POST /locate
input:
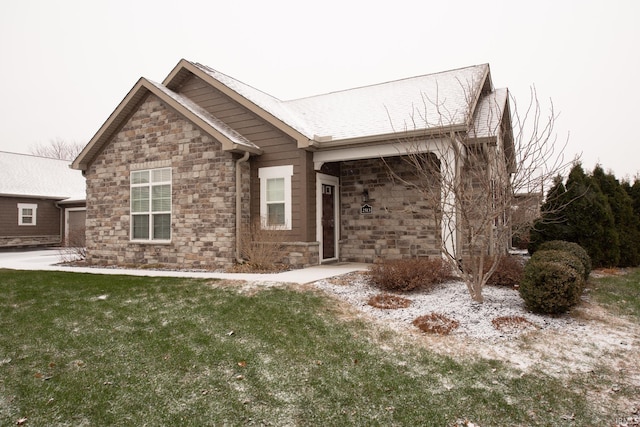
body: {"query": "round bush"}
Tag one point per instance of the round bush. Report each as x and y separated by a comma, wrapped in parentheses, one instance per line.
(564, 257)
(572, 248)
(550, 287)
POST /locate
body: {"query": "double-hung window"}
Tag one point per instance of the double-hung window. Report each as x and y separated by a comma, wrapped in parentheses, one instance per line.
(275, 196)
(27, 213)
(151, 205)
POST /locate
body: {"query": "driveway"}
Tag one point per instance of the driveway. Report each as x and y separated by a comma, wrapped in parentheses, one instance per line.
(49, 259)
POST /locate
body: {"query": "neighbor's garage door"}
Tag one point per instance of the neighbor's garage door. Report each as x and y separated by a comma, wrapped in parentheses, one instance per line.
(75, 227)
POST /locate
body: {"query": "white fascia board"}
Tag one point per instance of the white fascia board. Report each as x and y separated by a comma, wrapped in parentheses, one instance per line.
(379, 150)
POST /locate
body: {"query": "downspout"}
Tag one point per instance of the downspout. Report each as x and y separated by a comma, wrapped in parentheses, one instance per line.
(243, 159)
(63, 224)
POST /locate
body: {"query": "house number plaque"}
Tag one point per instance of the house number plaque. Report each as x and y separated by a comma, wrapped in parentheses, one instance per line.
(366, 209)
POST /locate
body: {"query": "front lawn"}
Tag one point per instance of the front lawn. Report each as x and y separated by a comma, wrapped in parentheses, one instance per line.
(619, 292)
(81, 349)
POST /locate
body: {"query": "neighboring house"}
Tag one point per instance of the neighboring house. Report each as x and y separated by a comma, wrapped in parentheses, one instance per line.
(525, 211)
(42, 201)
(181, 167)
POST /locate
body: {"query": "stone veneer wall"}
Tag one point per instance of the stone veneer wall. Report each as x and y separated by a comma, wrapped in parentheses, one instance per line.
(301, 254)
(29, 241)
(401, 225)
(203, 192)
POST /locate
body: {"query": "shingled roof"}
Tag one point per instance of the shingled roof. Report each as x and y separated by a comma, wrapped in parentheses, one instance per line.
(462, 100)
(24, 175)
(445, 99)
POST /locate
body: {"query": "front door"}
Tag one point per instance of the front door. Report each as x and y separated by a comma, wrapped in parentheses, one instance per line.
(328, 223)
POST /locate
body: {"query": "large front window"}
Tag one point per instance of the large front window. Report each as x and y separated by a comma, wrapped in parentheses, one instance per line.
(151, 204)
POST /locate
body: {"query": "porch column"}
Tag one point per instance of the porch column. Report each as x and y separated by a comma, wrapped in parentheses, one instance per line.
(449, 152)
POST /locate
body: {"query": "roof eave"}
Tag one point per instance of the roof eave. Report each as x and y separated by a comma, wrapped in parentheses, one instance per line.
(179, 74)
(126, 107)
(396, 136)
(108, 128)
(33, 196)
(475, 97)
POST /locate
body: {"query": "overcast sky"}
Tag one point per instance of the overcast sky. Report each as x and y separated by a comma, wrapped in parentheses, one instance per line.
(67, 64)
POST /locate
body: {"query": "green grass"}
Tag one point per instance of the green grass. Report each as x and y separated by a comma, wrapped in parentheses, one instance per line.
(620, 294)
(79, 349)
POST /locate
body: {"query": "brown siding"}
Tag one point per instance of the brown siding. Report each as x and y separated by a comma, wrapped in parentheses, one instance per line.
(278, 149)
(308, 203)
(48, 222)
(239, 118)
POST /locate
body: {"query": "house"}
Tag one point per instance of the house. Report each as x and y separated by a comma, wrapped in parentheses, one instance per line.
(525, 211)
(181, 167)
(42, 201)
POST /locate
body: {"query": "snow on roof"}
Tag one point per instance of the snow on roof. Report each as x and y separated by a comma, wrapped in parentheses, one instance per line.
(488, 114)
(33, 176)
(269, 103)
(423, 102)
(217, 124)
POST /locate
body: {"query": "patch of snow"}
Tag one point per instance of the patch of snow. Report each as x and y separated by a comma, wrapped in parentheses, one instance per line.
(453, 300)
(558, 345)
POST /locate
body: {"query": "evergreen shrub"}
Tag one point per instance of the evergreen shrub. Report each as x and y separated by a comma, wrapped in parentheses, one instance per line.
(564, 257)
(572, 248)
(550, 287)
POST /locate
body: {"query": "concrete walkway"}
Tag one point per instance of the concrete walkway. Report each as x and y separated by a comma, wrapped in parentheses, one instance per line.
(46, 259)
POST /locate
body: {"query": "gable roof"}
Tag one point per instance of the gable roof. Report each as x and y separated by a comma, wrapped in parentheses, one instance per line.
(23, 175)
(434, 101)
(230, 139)
(488, 114)
(431, 103)
(438, 100)
(265, 106)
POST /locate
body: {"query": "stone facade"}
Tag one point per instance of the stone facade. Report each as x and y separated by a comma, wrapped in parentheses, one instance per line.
(301, 254)
(400, 225)
(203, 193)
(29, 241)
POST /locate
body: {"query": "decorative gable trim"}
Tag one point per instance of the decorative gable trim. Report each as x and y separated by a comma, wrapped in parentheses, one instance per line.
(185, 68)
(230, 140)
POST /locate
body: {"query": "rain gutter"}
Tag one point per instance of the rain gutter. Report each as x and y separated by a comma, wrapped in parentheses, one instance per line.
(243, 159)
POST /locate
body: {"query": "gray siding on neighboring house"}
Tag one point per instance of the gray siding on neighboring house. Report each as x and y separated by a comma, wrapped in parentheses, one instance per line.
(203, 193)
(47, 230)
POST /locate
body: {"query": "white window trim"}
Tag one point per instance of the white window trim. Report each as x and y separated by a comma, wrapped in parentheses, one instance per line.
(264, 174)
(335, 182)
(150, 213)
(33, 207)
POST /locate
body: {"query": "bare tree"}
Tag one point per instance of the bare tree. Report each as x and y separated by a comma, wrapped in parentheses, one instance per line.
(475, 176)
(57, 149)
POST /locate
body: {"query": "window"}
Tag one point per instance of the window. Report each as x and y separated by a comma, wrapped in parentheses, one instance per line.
(27, 213)
(151, 204)
(275, 196)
